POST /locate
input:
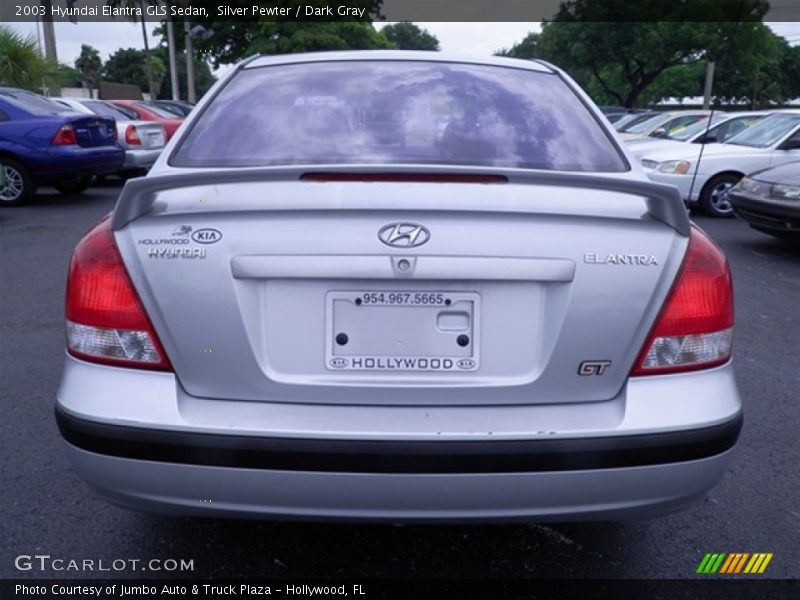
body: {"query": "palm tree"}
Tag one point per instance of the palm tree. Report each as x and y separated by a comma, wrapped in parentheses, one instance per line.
(140, 4)
(21, 63)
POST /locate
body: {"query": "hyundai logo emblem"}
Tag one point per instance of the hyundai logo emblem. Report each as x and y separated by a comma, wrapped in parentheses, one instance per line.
(404, 235)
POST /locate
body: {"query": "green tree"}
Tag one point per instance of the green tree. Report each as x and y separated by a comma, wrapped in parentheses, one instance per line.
(407, 36)
(619, 61)
(21, 63)
(127, 65)
(65, 76)
(286, 37)
(203, 78)
(234, 40)
(768, 74)
(527, 49)
(89, 64)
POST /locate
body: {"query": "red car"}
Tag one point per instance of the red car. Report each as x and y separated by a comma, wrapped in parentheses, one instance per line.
(147, 111)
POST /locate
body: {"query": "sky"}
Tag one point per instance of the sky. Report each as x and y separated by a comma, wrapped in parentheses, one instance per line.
(460, 38)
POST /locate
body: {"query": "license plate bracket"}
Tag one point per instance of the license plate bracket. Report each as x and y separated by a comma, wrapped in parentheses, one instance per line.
(402, 330)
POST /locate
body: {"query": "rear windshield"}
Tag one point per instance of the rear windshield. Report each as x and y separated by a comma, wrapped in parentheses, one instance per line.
(34, 103)
(398, 112)
(106, 110)
(158, 111)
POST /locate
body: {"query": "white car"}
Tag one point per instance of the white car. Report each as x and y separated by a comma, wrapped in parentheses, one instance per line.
(662, 124)
(773, 141)
(723, 127)
(141, 140)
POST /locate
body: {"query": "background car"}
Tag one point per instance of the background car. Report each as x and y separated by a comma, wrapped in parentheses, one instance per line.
(613, 113)
(773, 141)
(181, 109)
(42, 142)
(632, 119)
(146, 111)
(723, 127)
(141, 140)
(664, 124)
(770, 200)
(512, 324)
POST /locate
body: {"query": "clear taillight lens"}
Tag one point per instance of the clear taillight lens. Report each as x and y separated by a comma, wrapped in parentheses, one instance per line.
(106, 321)
(695, 327)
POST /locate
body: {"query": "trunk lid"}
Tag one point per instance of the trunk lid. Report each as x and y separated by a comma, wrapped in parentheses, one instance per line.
(151, 134)
(92, 131)
(249, 284)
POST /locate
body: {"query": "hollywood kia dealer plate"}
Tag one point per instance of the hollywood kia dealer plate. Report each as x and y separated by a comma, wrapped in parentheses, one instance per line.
(402, 330)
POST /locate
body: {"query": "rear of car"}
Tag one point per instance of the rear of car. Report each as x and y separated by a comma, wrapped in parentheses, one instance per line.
(147, 111)
(301, 316)
(42, 142)
(141, 140)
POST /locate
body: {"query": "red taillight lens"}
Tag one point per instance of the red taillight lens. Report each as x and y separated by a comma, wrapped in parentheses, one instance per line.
(132, 136)
(65, 136)
(695, 327)
(105, 319)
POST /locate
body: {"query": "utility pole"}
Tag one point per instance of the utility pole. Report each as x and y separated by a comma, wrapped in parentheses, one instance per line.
(173, 65)
(148, 65)
(190, 91)
(49, 32)
(709, 84)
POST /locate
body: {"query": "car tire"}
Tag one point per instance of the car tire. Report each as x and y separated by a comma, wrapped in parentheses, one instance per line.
(19, 186)
(714, 197)
(131, 173)
(73, 186)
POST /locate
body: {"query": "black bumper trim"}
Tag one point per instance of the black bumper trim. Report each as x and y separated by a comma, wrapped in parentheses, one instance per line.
(367, 456)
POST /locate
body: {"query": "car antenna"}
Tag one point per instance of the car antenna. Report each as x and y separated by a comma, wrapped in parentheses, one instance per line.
(713, 101)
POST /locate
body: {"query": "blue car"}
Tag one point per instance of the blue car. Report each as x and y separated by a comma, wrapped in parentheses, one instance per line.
(42, 142)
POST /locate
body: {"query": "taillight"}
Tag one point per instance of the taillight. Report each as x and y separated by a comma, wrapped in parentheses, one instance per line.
(695, 327)
(65, 136)
(106, 322)
(132, 136)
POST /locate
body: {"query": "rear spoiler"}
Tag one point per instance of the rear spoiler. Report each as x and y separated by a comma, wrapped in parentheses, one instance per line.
(138, 196)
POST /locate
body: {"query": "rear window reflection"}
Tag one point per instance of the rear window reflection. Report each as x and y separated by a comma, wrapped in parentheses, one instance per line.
(398, 112)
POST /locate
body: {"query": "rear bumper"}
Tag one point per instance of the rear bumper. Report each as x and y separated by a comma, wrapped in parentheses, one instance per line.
(67, 162)
(658, 446)
(376, 456)
(597, 494)
(140, 159)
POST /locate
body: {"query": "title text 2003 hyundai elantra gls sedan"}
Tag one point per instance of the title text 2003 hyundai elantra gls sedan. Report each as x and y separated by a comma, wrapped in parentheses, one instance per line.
(475, 307)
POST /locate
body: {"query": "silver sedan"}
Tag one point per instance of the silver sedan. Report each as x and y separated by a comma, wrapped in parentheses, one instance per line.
(142, 141)
(475, 307)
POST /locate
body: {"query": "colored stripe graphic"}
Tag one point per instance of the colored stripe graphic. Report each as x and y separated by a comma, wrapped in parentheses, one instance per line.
(734, 563)
(723, 563)
(758, 563)
(741, 562)
(711, 562)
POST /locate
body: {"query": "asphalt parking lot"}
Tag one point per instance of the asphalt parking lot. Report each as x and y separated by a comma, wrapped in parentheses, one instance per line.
(46, 510)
